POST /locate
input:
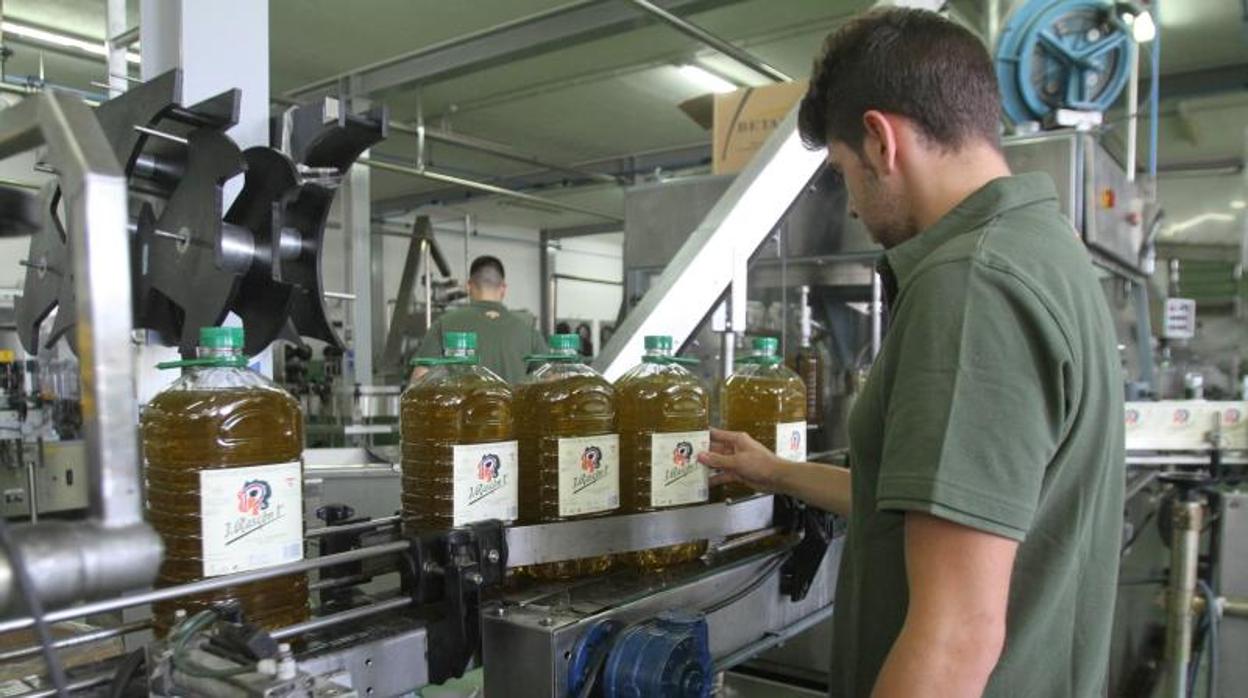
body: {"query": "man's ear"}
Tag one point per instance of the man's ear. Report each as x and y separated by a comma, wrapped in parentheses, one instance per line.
(879, 142)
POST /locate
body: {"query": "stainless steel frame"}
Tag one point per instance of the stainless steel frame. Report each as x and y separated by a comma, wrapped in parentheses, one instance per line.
(527, 648)
(690, 29)
(1232, 587)
(717, 252)
(527, 545)
(425, 173)
(115, 551)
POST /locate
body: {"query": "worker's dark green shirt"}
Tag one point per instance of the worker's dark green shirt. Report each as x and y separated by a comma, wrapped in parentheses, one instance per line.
(504, 337)
(996, 403)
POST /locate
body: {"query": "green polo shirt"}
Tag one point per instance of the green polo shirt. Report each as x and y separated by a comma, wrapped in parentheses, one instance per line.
(995, 403)
(504, 337)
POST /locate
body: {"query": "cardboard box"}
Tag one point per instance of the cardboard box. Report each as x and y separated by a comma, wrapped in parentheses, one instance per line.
(741, 121)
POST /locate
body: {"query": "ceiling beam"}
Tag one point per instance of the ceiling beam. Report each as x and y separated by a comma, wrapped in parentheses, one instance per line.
(576, 231)
(560, 27)
(1205, 82)
(624, 166)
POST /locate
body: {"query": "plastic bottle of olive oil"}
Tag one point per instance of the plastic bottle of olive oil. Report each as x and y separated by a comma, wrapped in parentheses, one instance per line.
(224, 449)
(459, 453)
(664, 421)
(767, 400)
(569, 448)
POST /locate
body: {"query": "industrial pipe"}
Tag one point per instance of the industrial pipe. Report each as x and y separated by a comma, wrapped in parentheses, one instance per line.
(425, 173)
(86, 638)
(699, 34)
(379, 522)
(1133, 110)
(482, 146)
(341, 617)
(206, 585)
(1235, 607)
(1186, 519)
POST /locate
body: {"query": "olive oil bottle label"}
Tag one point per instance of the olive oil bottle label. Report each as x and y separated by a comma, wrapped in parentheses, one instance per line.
(676, 476)
(791, 441)
(485, 482)
(589, 474)
(251, 517)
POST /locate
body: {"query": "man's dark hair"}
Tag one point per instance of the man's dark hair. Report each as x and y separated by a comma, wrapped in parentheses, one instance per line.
(486, 271)
(909, 62)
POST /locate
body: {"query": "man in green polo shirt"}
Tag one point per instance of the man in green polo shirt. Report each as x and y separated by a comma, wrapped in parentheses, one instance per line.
(504, 337)
(985, 490)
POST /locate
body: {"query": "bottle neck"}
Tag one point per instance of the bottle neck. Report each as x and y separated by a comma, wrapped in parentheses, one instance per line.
(218, 353)
(658, 352)
(460, 353)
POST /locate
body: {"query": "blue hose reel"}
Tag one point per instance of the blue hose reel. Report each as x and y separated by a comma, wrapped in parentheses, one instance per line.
(1062, 54)
(665, 657)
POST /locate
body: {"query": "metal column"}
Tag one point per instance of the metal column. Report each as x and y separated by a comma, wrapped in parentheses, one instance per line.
(220, 45)
(546, 264)
(364, 273)
(1186, 523)
(115, 27)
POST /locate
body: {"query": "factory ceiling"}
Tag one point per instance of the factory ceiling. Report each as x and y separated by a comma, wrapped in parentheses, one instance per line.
(596, 86)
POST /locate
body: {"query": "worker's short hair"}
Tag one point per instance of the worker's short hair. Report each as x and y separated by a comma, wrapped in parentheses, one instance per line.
(909, 62)
(487, 271)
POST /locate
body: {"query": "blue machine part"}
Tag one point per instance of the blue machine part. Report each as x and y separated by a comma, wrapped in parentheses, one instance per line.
(1062, 54)
(668, 657)
(587, 653)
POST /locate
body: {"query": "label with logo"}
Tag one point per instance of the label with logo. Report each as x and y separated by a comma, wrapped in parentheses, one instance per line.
(676, 476)
(485, 482)
(251, 517)
(589, 474)
(791, 441)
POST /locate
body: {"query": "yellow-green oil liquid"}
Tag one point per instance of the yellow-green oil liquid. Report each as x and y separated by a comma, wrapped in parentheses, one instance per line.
(754, 400)
(546, 411)
(187, 431)
(662, 400)
(437, 415)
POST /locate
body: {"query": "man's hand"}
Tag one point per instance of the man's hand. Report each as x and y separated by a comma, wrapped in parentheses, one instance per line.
(739, 458)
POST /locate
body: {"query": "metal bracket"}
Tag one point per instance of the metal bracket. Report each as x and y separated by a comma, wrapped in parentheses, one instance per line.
(817, 529)
(454, 568)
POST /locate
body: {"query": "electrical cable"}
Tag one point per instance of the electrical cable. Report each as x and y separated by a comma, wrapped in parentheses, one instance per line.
(56, 673)
(182, 634)
(126, 672)
(758, 581)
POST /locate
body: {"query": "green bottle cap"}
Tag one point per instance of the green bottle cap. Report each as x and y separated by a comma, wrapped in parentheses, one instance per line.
(768, 346)
(459, 340)
(221, 338)
(565, 342)
(658, 341)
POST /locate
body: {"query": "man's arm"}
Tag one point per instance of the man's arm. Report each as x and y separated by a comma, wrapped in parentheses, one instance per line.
(739, 458)
(954, 631)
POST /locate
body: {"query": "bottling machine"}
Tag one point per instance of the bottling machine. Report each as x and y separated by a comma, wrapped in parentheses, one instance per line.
(132, 235)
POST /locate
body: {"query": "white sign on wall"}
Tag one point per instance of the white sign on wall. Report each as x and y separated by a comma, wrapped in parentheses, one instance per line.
(1180, 319)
